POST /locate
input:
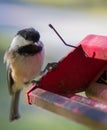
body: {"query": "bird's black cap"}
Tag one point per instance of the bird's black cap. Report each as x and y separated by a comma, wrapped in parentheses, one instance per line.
(29, 34)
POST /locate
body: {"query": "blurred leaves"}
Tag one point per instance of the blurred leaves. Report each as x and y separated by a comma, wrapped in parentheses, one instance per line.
(72, 3)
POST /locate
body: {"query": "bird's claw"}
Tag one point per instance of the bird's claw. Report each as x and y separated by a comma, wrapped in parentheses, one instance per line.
(50, 66)
(36, 82)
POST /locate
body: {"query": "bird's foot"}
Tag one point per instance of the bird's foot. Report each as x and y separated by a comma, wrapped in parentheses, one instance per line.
(50, 66)
(36, 82)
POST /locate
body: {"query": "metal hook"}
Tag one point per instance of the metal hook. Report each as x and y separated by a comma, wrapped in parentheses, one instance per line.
(50, 25)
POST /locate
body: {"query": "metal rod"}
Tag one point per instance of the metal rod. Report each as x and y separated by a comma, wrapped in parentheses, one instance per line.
(50, 25)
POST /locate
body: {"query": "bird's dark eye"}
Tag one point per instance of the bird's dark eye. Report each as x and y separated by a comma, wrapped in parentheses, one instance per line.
(30, 34)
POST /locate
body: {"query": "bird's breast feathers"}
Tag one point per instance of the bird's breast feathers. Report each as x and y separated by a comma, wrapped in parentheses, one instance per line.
(26, 68)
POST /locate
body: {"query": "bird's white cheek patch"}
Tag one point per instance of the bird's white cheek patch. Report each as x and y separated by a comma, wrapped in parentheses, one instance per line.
(19, 41)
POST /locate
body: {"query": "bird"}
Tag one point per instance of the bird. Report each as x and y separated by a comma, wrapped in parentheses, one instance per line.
(24, 59)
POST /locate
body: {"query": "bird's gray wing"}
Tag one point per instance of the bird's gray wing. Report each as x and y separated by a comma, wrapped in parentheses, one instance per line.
(10, 80)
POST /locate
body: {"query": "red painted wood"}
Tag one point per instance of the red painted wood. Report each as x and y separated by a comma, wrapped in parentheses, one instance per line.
(76, 70)
(80, 109)
(95, 46)
(72, 74)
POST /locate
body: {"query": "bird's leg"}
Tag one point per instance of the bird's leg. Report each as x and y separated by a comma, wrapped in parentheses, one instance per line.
(49, 67)
(36, 82)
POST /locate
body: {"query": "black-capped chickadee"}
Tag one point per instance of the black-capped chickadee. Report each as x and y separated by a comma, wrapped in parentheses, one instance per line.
(24, 60)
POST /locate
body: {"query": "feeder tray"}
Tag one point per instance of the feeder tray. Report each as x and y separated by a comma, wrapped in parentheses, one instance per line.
(83, 69)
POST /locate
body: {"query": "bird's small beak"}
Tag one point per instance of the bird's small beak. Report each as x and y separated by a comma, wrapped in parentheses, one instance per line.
(39, 43)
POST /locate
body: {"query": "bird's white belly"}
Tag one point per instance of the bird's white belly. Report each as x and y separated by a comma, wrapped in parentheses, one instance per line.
(27, 68)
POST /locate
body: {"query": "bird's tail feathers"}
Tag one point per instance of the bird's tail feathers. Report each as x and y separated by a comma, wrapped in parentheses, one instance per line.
(14, 112)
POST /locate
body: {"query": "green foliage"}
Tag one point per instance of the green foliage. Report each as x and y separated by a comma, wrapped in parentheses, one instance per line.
(71, 3)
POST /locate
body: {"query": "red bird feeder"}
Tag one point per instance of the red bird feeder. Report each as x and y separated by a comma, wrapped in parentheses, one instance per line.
(79, 68)
(82, 69)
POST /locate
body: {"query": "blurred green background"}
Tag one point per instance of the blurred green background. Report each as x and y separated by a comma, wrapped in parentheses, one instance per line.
(74, 19)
